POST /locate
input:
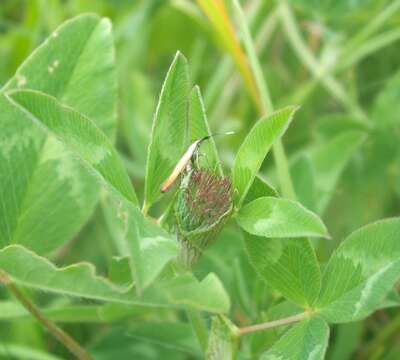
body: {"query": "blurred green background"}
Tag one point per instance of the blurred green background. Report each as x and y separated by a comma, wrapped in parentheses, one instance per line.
(365, 95)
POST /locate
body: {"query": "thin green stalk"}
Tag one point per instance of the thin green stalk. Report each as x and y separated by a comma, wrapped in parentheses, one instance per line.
(369, 47)
(199, 327)
(281, 162)
(216, 82)
(320, 71)
(371, 28)
(223, 78)
(273, 324)
(283, 171)
(218, 15)
(56, 331)
(263, 91)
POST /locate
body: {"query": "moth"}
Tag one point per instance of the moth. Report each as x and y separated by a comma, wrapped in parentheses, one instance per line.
(184, 161)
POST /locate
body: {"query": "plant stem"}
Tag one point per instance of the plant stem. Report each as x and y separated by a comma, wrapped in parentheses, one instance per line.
(367, 48)
(57, 332)
(199, 328)
(320, 71)
(272, 324)
(262, 88)
(283, 171)
(218, 15)
(372, 27)
(281, 162)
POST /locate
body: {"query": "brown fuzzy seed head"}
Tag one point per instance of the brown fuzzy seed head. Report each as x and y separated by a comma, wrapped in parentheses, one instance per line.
(207, 197)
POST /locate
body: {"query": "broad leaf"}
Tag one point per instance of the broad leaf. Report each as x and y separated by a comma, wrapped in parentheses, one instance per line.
(223, 340)
(305, 340)
(361, 272)
(25, 268)
(255, 147)
(80, 134)
(287, 265)
(168, 334)
(208, 294)
(259, 188)
(169, 134)
(149, 246)
(40, 174)
(280, 218)
(101, 159)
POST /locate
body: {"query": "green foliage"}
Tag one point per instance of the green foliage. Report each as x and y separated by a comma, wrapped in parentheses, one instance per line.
(64, 68)
(223, 340)
(75, 280)
(80, 134)
(254, 149)
(279, 218)
(225, 267)
(169, 133)
(361, 272)
(330, 9)
(306, 340)
(288, 265)
(316, 174)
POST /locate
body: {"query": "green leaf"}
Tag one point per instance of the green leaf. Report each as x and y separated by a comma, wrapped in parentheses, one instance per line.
(120, 271)
(64, 67)
(255, 147)
(172, 340)
(149, 246)
(279, 311)
(316, 172)
(40, 173)
(208, 294)
(223, 340)
(361, 272)
(329, 162)
(259, 188)
(80, 134)
(287, 265)
(198, 128)
(169, 134)
(305, 340)
(169, 334)
(26, 268)
(18, 351)
(280, 218)
(102, 160)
